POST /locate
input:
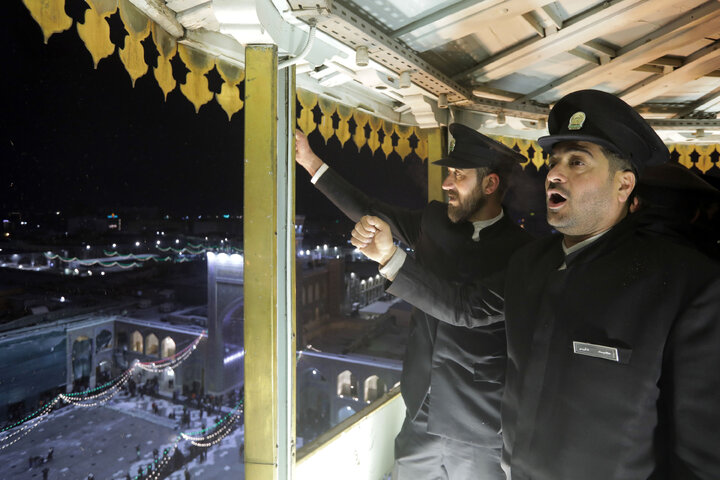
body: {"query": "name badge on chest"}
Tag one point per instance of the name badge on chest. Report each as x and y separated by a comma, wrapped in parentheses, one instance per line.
(597, 351)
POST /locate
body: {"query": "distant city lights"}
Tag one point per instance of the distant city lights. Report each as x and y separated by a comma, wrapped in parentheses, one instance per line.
(235, 258)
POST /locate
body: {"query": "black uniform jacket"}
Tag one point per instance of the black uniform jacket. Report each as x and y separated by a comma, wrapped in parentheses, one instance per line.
(647, 404)
(464, 367)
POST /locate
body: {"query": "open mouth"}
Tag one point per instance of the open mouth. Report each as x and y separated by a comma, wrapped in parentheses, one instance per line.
(555, 200)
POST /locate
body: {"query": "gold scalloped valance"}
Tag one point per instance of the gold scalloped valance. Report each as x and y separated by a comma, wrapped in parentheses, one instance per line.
(698, 156)
(95, 32)
(374, 132)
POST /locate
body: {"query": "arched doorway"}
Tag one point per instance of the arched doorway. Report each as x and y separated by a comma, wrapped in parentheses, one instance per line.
(152, 346)
(81, 362)
(167, 347)
(137, 342)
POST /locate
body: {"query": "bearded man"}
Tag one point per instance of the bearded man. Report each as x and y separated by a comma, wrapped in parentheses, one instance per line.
(612, 332)
(453, 376)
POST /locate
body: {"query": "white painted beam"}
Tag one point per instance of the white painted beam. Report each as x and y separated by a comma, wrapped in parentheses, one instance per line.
(474, 11)
(436, 15)
(158, 12)
(483, 91)
(552, 12)
(706, 101)
(668, 61)
(694, 25)
(647, 68)
(577, 30)
(585, 55)
(696, 65)
(535, 22)
(602, 48)
(199, 16)
(483, 15)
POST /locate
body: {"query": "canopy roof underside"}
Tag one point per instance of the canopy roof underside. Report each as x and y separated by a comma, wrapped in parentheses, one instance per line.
(514, 57)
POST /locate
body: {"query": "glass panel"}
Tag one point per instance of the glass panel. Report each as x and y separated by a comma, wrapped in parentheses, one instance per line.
(121, 352)
(351, 335)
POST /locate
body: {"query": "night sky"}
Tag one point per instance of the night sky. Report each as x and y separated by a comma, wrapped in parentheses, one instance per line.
(82, 140)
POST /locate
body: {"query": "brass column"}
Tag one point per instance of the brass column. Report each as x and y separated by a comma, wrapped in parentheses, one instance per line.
(269, 266)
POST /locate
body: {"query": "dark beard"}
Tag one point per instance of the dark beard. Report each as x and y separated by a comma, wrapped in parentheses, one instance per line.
(467, 206)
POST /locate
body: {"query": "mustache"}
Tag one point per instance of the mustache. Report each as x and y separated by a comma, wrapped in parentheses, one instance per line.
(559, 189)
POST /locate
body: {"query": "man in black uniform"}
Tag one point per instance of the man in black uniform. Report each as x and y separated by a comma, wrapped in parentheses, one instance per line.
(453, 432)
(613, 333)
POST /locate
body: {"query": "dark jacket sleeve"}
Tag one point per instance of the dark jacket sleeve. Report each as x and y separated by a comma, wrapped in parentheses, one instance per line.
(469, 305)
(404, 223)
(691, 378)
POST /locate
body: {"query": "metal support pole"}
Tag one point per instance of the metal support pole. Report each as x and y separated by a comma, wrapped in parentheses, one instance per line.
(286, 272)
(260, 246)
(269, 266)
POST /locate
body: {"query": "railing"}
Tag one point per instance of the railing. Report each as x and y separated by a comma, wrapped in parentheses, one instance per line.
(359, 448)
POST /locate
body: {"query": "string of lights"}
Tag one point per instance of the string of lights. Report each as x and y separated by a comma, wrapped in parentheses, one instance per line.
(159, 463)
(182, 250)
(222, 428)
(28, 417)
(98, 398)
(28, 427)
(138, 259)
(89, 398)
(218, 435)
(173, 360)
(228, 419)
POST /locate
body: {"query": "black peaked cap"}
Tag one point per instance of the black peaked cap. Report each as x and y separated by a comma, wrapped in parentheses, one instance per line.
(475, 150)
(604, 119)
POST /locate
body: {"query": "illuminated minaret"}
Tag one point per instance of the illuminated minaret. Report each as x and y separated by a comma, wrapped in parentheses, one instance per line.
(224, 365)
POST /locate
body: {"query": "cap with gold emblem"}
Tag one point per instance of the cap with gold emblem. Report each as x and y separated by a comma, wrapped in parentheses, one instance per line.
(473, 150)
(604, 119)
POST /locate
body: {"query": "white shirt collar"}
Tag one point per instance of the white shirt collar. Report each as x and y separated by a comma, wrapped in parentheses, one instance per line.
(480, 224)
(578, 246)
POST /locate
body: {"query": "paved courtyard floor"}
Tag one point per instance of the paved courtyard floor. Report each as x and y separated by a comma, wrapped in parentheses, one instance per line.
(102, 440)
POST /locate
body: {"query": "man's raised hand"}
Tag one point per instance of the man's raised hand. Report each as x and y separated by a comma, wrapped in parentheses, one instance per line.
(304, 154)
